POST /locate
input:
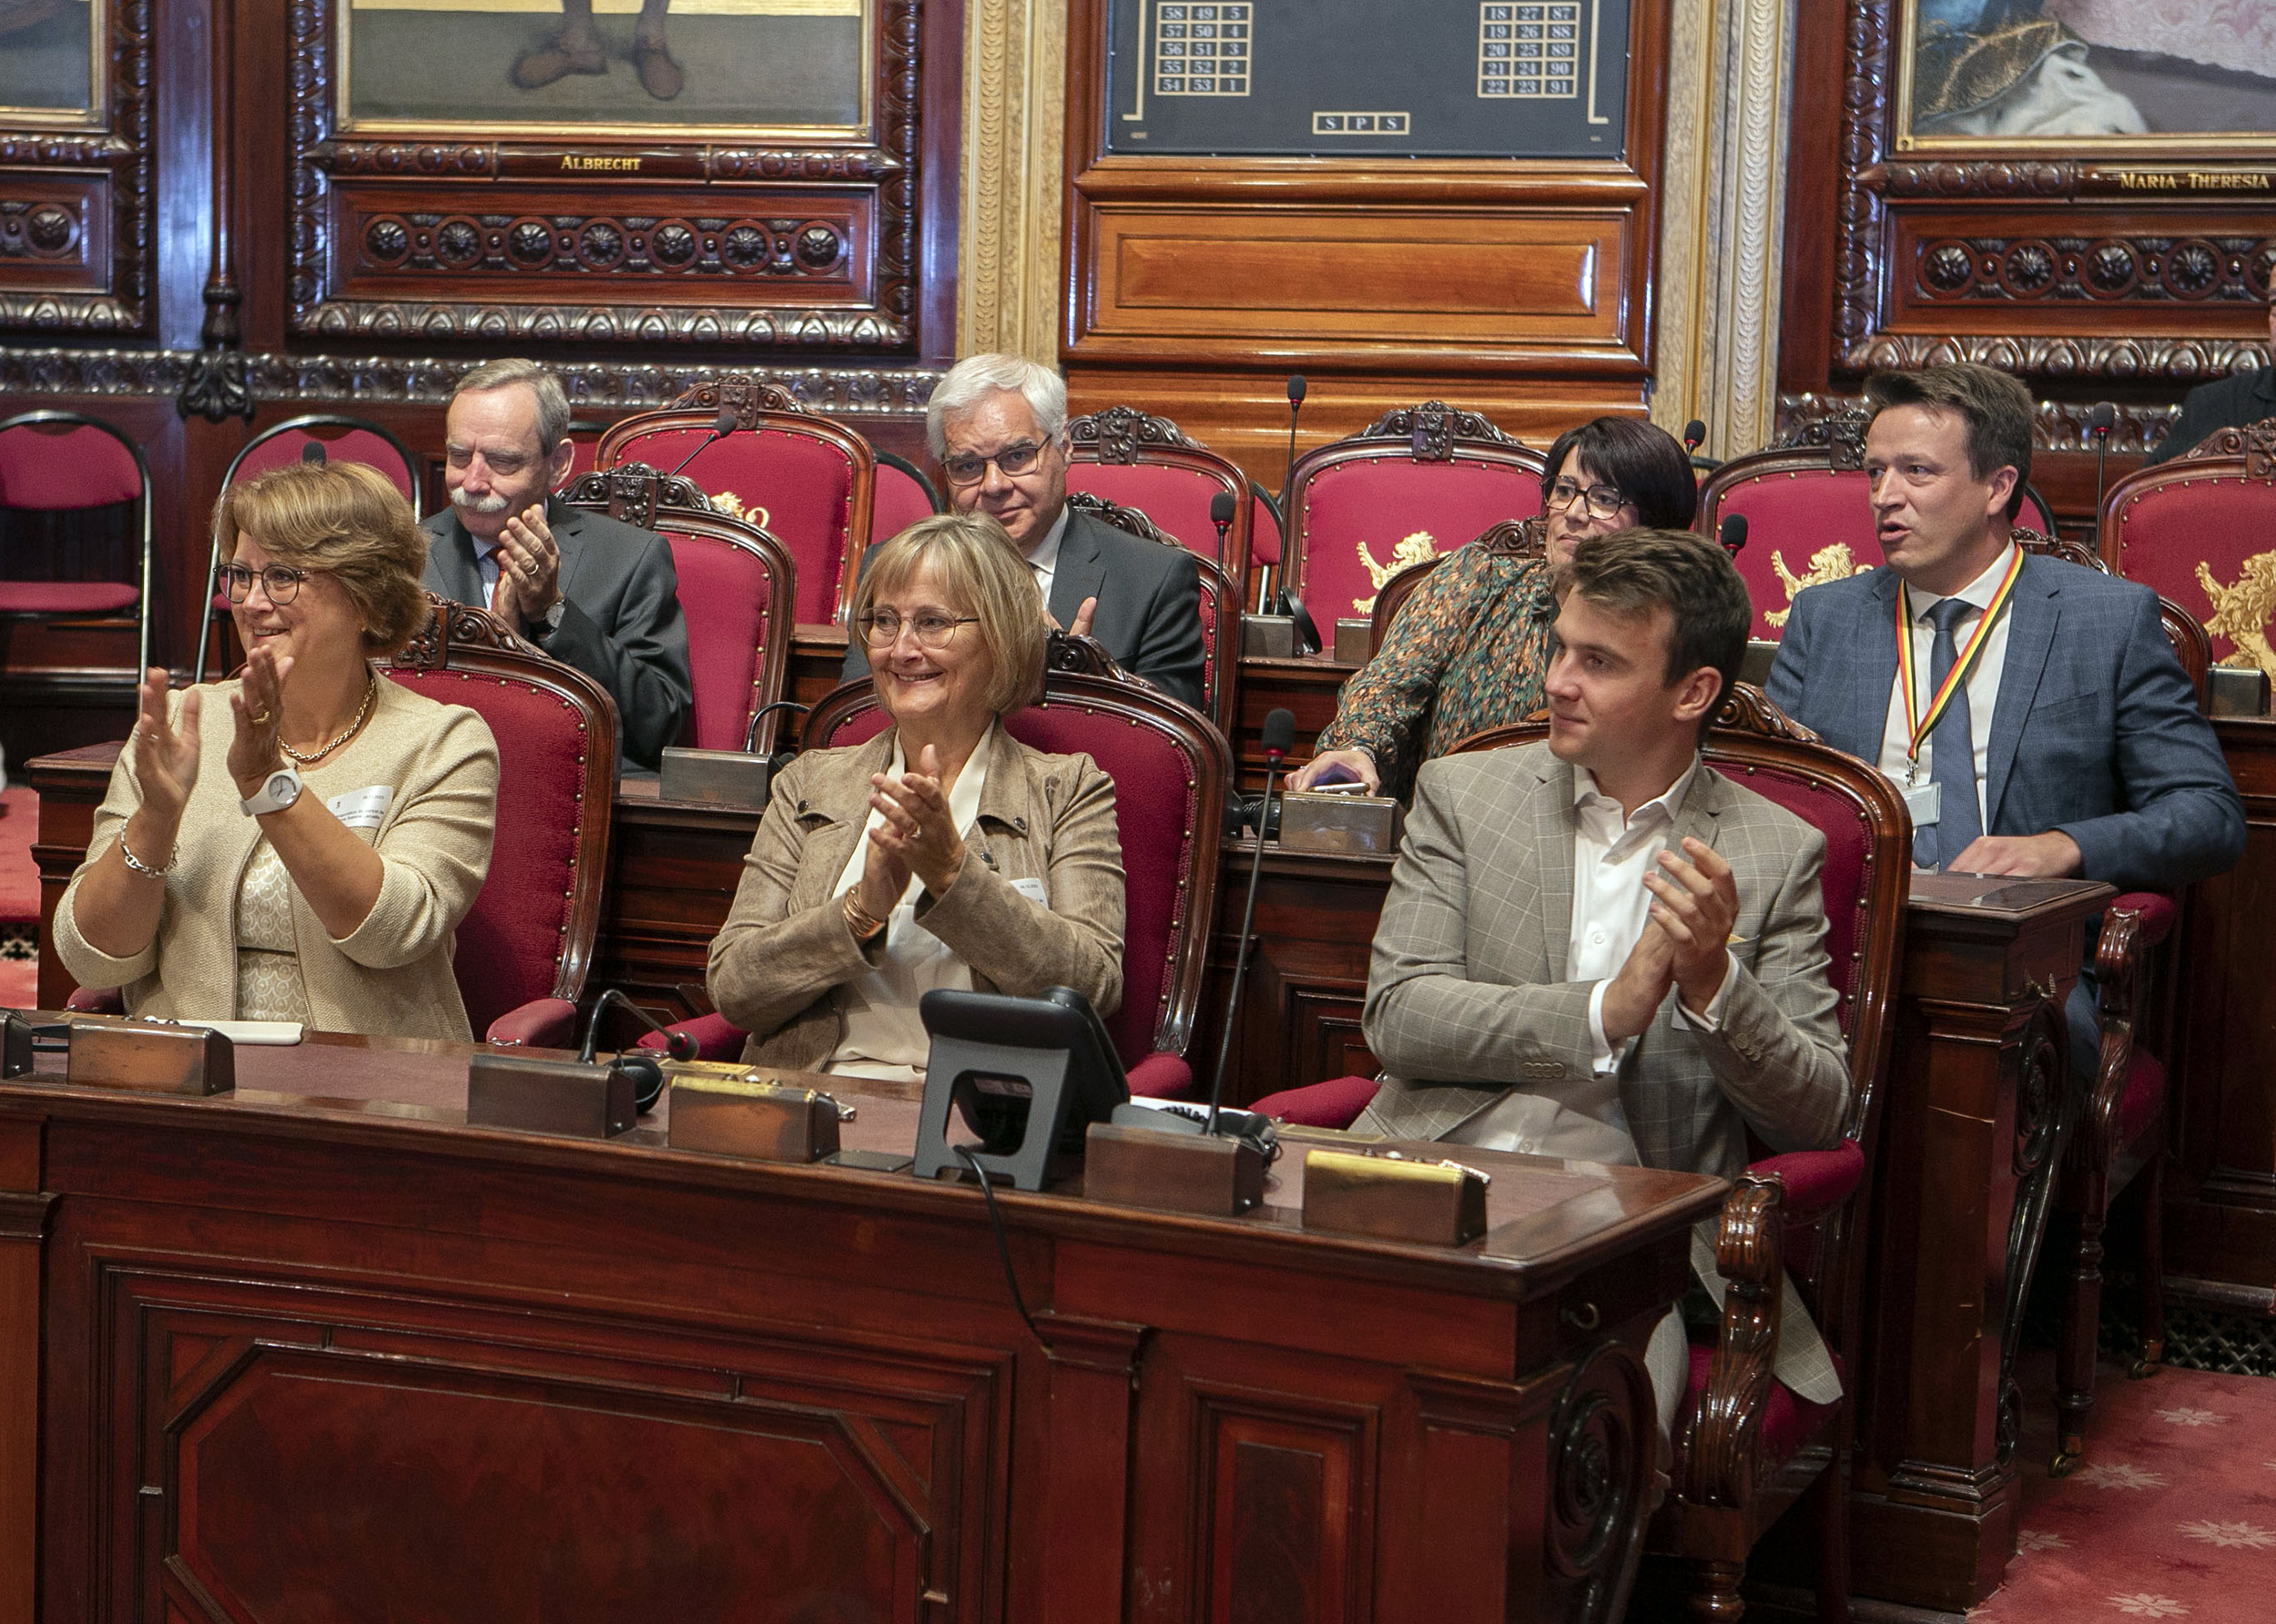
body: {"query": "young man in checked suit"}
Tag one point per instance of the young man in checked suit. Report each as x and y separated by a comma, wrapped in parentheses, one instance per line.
(1599, 946)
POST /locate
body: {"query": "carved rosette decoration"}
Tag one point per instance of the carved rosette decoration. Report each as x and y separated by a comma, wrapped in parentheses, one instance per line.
(1432, 428)
(685, 241)
(1601, 1446)
(1117, 434)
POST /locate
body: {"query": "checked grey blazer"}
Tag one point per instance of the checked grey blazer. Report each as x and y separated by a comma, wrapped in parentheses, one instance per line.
(1468, 1000)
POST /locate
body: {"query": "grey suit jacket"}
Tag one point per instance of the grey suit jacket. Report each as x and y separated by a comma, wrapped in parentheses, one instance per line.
(1149, 611)
(1467, 998)
(2096, 731)
(622, 626)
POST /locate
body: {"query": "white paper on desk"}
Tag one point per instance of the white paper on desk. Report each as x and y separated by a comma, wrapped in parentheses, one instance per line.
(283, 1032)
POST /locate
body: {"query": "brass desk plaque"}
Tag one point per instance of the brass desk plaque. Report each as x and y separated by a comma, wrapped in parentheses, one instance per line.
(150, 1058)
(578, 1099)
(1179, 1172)
(1268, 636)
(1355, 641)
(1394, 1197)
(1311, 821)
(716, 778)
(751, 1116)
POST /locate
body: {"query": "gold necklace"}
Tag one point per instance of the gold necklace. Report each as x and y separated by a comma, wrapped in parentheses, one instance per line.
(362, 713)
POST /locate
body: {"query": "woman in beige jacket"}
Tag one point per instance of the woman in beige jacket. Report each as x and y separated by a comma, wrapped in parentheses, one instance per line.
(301, 843)
(943, 853)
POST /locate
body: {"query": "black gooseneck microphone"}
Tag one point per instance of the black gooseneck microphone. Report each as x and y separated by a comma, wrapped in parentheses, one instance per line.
(1731, 534)
(2099, 422)
(750, 734)
(722, 426)
(1694, 435)
(1295, 405)
(1280, 737)
(313, 452)
(1221, 515)
(647, 1075)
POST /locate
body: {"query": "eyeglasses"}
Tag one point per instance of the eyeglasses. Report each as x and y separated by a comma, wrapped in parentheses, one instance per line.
(281, 583)
(1605, 501)
(881, 628)
(1015, 459)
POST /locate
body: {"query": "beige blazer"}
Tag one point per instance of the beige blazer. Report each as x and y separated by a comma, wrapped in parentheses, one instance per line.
(778, 961)
(392, 976)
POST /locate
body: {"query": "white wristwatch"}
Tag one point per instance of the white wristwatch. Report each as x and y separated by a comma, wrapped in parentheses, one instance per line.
(278, 791)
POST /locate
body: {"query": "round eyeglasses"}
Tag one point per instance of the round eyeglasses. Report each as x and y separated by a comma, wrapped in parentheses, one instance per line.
(881, 628)
(1605, 501)
(281, 582)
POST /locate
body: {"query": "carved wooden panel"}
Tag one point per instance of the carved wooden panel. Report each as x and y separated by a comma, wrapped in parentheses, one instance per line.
(76, 204)
(609, 239)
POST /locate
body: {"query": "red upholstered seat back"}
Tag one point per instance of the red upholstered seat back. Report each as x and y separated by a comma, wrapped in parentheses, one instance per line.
(2035, 514)
(1360, 520)
(1176, 498)
(2202, 532)
(899, 502)
(1803, 525)
(344, 439)
(798, 484)
(1169, 781)
(736, 601)
(45, 466)
(1264, 532)
(1849, 860)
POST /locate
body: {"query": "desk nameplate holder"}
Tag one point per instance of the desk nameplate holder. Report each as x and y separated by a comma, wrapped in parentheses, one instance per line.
(1392, 1198)
(751, 1116)
(1212, 1175)
(576, 1099)
(716, 778)
(1312, 821)
(1355, 641)
(1268, 636)
(16, 1044)
(150, 1058)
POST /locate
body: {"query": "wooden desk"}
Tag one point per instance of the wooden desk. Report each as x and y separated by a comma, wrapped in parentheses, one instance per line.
(274, 1357)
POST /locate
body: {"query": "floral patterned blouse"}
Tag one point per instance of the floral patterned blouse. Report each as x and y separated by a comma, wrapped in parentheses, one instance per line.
(1469, 651)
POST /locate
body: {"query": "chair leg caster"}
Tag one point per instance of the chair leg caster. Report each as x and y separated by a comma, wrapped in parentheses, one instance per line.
(2152, 1358)
(2066, 1458)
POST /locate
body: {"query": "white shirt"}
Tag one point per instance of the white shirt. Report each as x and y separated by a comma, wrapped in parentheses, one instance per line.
(884, 1036)
(1043, 558)
(1611, 853)
(1983, 682)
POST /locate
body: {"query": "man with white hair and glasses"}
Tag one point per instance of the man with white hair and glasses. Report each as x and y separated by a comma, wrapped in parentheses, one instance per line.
(998, 426)
(589, 590)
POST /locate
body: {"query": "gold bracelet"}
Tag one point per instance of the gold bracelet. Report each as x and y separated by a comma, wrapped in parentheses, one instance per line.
(858, 920)
(140, 866)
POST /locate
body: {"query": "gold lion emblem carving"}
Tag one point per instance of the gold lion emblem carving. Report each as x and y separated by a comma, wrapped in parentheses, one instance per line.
(2241, 613)
(734, 507)
(1412, 550)
(1835, 563)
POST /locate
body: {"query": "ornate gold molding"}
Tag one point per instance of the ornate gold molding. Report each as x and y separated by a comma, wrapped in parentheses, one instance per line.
(1015, 101)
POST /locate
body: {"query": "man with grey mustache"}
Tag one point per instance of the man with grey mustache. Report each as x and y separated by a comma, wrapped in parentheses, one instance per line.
(590, 591)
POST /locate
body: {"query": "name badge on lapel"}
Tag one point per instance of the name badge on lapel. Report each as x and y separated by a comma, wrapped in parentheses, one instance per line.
(363, 809)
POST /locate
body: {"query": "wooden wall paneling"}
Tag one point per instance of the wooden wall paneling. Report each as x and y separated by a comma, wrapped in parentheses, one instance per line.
(1518, 288)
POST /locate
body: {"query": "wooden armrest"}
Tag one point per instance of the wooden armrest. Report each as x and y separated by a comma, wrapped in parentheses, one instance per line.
(1815, 1181)
(1719, 1468)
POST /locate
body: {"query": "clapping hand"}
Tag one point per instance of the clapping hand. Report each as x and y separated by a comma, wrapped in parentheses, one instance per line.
(165, 750)
(918, 832)
(1696, 903)
(258, 706)
(529, 568)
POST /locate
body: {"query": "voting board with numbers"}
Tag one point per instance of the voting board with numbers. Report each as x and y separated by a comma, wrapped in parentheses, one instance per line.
(1328, 79)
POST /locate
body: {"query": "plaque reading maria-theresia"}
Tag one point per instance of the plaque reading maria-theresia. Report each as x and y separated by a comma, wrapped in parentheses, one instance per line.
(1324, 78)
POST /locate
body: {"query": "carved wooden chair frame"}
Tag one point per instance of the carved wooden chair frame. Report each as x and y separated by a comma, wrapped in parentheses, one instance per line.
(1221, 692)
(631, 490)
(1433, 432)
(1727, 1497)
(1123, 436)
(471, 643)
(760, 405)
(1079, 673)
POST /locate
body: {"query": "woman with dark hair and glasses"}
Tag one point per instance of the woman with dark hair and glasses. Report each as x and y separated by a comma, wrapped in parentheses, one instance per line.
(299, 843)
(942, 853)
(1470, 648)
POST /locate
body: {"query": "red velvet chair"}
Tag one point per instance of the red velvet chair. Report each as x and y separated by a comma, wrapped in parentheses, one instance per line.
(1417, 482)
(1265, 546)
(808, 481)
(1747, 1449)
(64, 462)
(1149, 464)
(1170, 770)
(339, 440)
(736, 585)
(903, 496)
(524, 950)
(1220, 610)
(1524, 534)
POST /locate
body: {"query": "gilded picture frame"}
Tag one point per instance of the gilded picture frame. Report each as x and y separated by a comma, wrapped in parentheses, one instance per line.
(675, 71)
(53, 64)
(2092, 79)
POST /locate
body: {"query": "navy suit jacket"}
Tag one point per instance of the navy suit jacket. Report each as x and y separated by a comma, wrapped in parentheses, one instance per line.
(2096, 731)
(1149, 612)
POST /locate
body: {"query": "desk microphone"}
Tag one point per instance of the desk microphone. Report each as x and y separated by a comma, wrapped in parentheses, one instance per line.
(647, 1075)
(750, 734)
(1221, 515)
(1731, 534)
(1295, 405)
(1280, 737)
(722, 426)
(2099, 422)
(1694, 435)
(313, 452)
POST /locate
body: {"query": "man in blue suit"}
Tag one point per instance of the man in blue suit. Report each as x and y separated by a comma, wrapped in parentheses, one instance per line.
(2035, 717)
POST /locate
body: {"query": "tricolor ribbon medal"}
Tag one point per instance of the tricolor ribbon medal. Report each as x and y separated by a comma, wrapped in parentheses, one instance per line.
(1919, 724)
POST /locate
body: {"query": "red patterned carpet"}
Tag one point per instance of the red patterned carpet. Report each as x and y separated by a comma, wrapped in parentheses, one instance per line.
(2171, 1516)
